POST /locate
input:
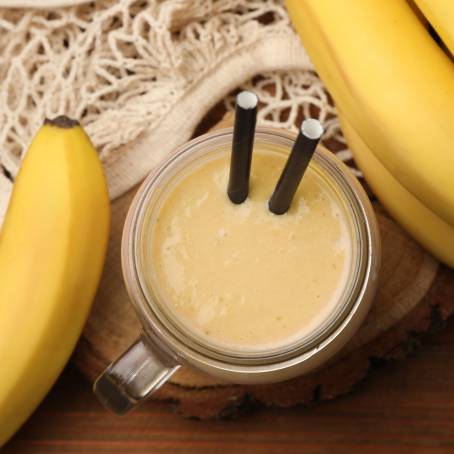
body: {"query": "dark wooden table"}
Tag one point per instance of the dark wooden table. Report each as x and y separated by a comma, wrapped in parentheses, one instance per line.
(404, 407)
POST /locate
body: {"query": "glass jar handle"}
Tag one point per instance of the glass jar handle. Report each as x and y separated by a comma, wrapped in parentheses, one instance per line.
(134, 376)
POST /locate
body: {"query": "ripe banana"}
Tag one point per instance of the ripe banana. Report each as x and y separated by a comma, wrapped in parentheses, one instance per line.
(440, 14)
(427, 228)
(419, 14)
(394, 85)
(52, 249)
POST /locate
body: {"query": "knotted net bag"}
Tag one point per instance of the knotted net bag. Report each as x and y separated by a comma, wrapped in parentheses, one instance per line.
(141, 74)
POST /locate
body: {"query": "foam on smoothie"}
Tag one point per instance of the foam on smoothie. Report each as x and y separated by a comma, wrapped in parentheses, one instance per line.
(240, 276)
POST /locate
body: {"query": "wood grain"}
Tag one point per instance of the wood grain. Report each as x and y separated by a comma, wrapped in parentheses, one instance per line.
(403, 407)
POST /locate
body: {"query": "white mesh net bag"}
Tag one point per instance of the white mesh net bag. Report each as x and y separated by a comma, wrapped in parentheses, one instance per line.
(141, 74)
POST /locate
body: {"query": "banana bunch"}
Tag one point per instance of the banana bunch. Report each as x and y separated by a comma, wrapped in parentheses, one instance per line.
(393, 86)
(52, 249)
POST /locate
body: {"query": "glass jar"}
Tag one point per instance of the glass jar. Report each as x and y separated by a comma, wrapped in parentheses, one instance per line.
(166, 344)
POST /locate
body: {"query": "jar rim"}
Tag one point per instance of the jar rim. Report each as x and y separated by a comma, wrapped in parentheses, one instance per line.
(163, 329)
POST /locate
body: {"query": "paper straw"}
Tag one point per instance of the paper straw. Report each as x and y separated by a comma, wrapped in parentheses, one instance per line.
(242, 144)
(300, 156)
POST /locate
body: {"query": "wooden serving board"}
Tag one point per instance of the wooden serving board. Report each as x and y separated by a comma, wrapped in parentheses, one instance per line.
(415, 295)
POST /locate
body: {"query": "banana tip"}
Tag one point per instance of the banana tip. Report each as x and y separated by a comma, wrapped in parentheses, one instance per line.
(62, 121)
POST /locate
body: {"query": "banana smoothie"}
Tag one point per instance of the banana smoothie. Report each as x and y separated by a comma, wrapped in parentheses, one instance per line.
(239, 276)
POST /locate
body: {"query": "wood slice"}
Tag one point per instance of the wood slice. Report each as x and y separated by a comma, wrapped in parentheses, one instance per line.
(415, 295)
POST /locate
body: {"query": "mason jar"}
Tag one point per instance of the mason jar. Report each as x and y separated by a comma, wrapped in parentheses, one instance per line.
(166, 344)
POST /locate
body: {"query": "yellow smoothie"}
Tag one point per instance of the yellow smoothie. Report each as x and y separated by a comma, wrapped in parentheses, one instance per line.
(241, 277)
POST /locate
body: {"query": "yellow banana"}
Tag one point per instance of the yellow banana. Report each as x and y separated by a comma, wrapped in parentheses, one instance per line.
(419, 14)
(394, 85)
(440, 14)
(426, 227)
(52, 249)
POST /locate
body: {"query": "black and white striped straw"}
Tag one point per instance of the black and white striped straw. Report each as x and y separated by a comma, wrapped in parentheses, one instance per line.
(242, 144)
(300, 156)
